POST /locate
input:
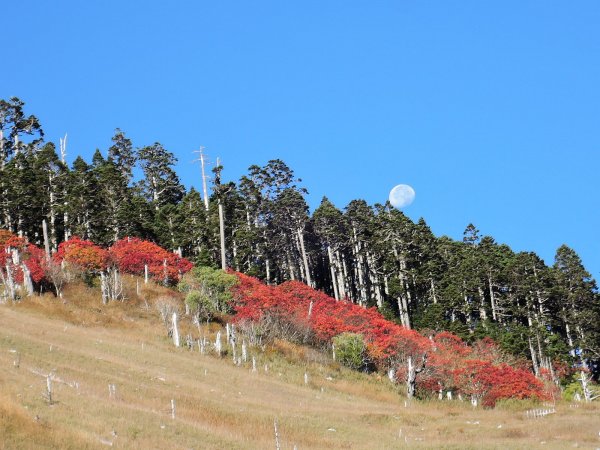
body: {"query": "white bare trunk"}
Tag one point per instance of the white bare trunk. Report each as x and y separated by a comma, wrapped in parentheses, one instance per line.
(362, 289)
(404, 300)
(268, 270)
(290, 266)
(336, 292)
(346, 278)
(175, 330)
(492, 299)
(218, 344)
(222, 236)
(27, 280)
(534, 359)
(433, 293)
(63, 158)
(340, 276)
(375, 282)
(9, 284)
(204, 188)
(304, 257)
(46, 241)
(482, 311)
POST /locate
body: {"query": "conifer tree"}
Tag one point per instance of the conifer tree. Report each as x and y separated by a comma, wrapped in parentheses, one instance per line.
(161, 184)
(578, 304)
(122, 154)
(332, 230)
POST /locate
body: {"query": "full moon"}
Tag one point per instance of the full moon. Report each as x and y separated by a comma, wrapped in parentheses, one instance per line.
(402, 195)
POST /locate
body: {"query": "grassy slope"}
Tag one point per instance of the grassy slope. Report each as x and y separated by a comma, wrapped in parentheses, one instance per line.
(219, 405)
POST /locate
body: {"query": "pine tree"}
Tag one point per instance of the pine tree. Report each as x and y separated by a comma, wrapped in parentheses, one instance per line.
(51, 176)
(362, 255)
(332, 230)
(115, 216)
(122, 154)
(290, 218)
(14, 125)
(82, 202)
(161, 184)
(578, 303)
(193, 225)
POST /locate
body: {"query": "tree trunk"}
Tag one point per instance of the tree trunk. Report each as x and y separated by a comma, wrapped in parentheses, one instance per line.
(482, 312)
(46, 241)
(290, 265)
(362, 291)
(411, 375)
(204, 188)
(404, 300)
(268, 270)
(340, 275)
(336, 292)
(534, 360)
(433, 293)
(304, 257)
(175, 330)
(63, 158)
(492, 299)
(27, 280)
(346, 286)
(568, 333)
(222, 236)
(375, 281)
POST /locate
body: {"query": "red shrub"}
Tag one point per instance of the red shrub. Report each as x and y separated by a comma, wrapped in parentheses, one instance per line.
(478, 371)
(30, 255)
(132, 254)
(85, 255)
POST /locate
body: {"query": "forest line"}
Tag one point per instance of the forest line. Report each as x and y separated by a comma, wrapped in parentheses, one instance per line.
(372, 255)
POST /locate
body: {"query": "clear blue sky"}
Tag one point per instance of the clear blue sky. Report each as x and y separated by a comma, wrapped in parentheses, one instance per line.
(491, 111)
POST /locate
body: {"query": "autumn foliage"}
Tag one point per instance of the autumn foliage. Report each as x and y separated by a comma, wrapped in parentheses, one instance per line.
(27, 254)
(477, 371)
(131, 255)
(85, 255)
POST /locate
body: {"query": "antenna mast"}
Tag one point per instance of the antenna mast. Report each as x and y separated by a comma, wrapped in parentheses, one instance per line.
(204, 188)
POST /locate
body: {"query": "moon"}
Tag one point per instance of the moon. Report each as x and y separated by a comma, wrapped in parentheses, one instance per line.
(402, 196)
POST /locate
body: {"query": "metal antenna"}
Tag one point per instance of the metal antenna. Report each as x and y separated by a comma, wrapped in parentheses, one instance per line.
(202, 165)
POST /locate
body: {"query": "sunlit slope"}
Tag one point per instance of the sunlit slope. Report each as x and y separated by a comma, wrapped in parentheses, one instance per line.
(218, 404)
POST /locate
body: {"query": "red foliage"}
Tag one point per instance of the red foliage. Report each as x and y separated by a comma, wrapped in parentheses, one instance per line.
(83, 254)
(28, 254)
(451, 364)
(132, 254)
(35, 260)
(386, 341)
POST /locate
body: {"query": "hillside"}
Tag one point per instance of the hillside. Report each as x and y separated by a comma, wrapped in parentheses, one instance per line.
(261, 225)
(88, 346)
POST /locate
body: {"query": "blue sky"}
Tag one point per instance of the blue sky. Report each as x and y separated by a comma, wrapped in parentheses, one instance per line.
(491, 111)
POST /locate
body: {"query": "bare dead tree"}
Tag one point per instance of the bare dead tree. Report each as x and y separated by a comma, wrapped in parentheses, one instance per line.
(57, 275)
(411, 375)
(111, 285)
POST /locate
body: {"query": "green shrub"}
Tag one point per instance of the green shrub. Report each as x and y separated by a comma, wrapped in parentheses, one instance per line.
(212, 289)
(576, 388)
(350, 350)
(201, 305)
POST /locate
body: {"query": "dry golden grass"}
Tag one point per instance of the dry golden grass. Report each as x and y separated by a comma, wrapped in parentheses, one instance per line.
(220, 405)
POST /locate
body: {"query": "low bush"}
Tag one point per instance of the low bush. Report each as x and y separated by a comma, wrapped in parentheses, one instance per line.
(350, 350)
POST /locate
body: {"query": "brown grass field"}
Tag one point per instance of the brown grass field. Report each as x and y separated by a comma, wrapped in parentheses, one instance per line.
(219, 405)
